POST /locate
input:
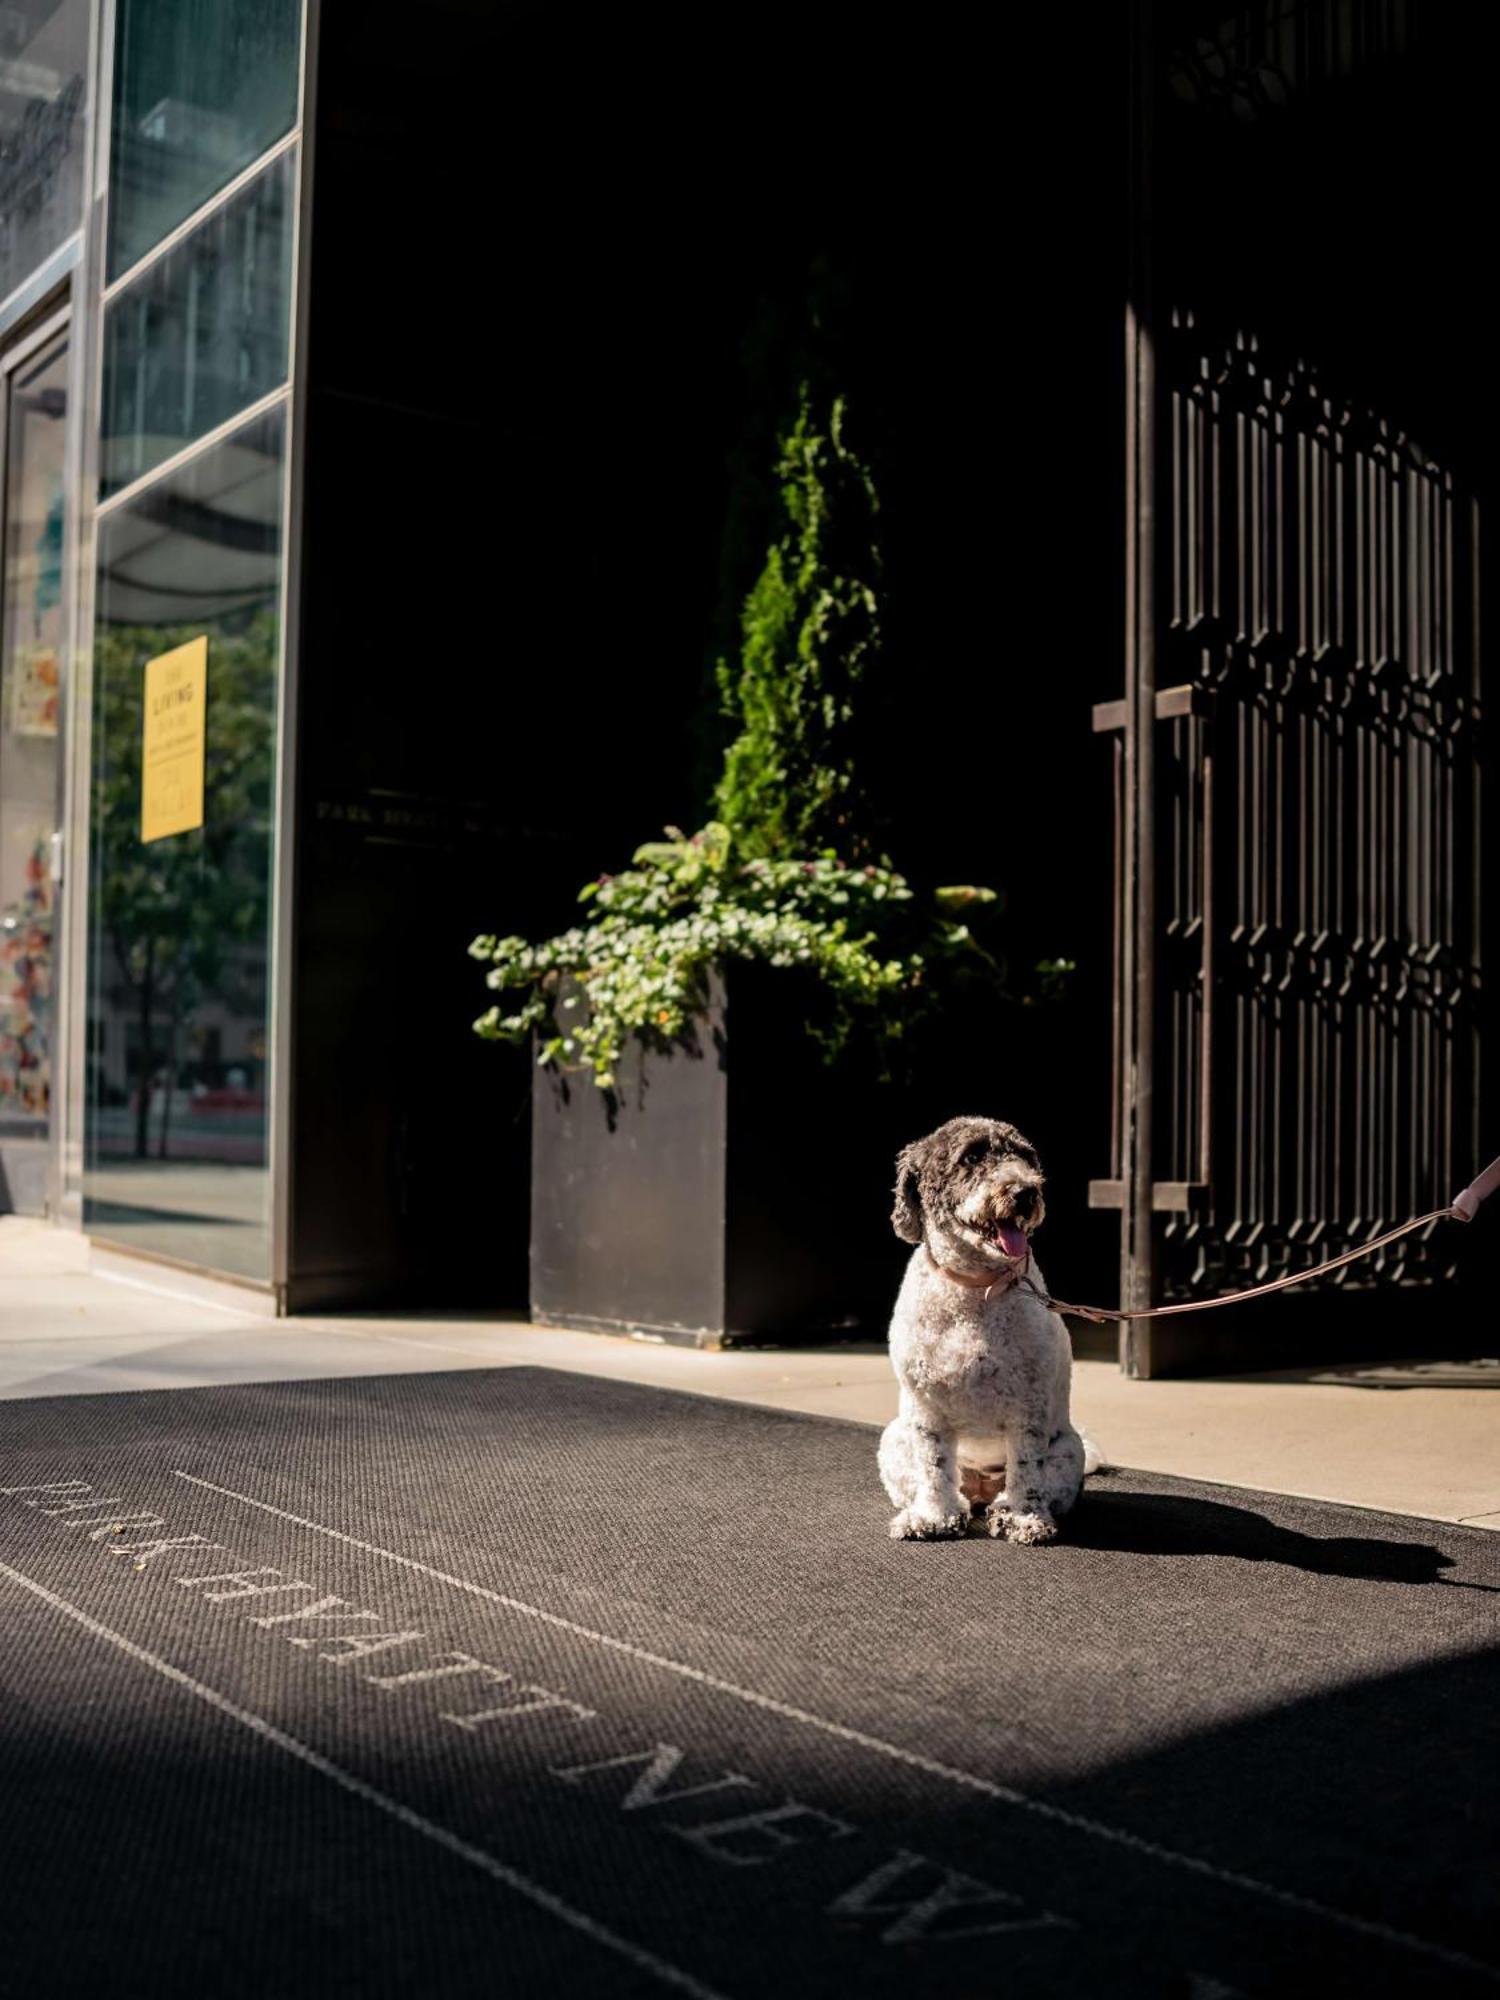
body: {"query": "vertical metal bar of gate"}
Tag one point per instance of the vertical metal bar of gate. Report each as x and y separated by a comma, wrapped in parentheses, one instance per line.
(1135, 1074)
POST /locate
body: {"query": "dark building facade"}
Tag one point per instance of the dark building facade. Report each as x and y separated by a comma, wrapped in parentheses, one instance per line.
(398, 385)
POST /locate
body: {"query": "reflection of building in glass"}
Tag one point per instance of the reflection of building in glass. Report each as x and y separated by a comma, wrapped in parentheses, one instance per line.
(33, 404)
(44, 46)
(186, 300)
(180, 925)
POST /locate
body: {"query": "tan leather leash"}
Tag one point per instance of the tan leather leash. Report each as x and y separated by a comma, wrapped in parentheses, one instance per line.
(1462, 1208)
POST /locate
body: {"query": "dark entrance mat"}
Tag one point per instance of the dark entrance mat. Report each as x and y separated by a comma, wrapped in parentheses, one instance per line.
(517, 1682)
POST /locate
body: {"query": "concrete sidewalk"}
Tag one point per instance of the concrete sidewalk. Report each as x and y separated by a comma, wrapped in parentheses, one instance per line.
(1423, 1439)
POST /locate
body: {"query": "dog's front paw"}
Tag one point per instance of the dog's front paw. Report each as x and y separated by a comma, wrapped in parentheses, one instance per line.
(912, 1525)
(1022, 1527)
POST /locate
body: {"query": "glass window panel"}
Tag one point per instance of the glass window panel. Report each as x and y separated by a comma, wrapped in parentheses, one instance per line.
(176, 1120)
(202, 88)
(44, 46)
(31, 643)
(200, 335)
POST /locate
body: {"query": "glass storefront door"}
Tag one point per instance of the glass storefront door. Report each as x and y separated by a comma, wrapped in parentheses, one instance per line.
(194, 395)
(34, 418)
(186, 646)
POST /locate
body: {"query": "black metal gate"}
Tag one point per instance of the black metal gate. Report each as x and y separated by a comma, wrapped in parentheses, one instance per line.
(1297, 757)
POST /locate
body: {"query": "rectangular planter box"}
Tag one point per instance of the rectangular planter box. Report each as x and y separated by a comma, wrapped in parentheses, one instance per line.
(735, 1193)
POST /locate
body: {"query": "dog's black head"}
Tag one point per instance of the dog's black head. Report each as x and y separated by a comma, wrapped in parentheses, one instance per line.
(973, 1187)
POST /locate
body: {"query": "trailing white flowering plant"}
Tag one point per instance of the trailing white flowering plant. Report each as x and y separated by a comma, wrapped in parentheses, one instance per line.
(640, 966)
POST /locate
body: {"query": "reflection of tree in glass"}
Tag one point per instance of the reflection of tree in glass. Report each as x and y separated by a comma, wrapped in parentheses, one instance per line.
(178, 913)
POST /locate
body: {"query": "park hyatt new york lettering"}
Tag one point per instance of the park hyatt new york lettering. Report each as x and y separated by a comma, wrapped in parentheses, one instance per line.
(739, 1822)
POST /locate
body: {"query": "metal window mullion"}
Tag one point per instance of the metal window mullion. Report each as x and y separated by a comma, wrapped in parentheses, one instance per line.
(281, 984)
(230, 427)
(203, 213)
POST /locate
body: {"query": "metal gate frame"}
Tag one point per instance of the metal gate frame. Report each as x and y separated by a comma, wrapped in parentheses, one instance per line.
(1377, 1030)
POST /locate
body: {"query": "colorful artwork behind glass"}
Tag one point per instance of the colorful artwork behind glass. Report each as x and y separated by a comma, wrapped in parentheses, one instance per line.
(25, 994)
(31, 660)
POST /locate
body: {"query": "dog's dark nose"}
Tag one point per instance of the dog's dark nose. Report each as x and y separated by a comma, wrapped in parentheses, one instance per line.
(1023, 1203)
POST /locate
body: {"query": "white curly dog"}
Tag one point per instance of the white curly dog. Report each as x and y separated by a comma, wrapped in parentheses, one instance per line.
(984, 1364)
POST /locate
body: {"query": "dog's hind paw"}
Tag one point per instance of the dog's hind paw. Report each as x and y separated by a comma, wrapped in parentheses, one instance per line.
(911, 1525)
(1029, 1528)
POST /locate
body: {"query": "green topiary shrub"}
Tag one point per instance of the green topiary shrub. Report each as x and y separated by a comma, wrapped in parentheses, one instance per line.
(810, 639)
(785, 873)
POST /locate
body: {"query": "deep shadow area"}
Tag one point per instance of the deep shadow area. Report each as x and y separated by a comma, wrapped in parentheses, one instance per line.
(1375, 1782)
(1170, 1524)
(1480, 1373)
(549, 356)
(1339, 1328)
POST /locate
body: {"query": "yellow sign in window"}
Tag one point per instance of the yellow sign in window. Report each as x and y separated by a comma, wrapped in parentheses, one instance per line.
(172, 741)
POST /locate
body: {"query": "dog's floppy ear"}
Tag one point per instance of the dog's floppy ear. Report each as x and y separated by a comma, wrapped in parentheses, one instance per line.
(906, 1216)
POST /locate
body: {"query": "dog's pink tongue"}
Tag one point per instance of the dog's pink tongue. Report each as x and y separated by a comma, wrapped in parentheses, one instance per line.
(1012, 1240)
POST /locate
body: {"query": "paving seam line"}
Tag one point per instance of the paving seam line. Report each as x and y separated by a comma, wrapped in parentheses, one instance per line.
(169, 1292)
